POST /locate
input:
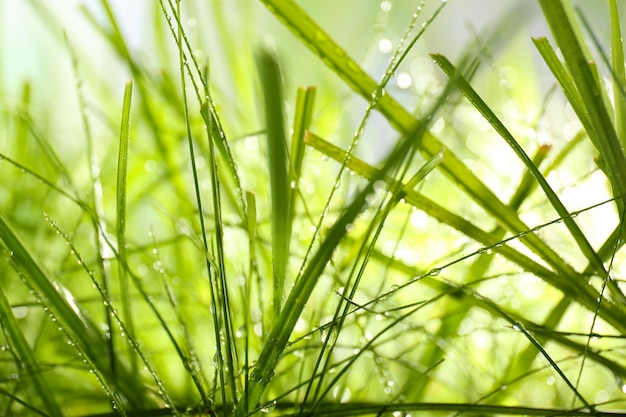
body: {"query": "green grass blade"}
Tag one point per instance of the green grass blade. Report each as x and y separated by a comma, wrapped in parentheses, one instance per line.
(495, 122)
(618, 71)
(520, 327)
(362, 258)
(615, 67)
(26, 358)
(300, 293)
(585, 294)
(122, 172)
(119, 321)
(68, 312)
(223, 322)
(434, 352)
(303, 114)
(603, 133)
(252, 238)
(271, 86)
(565, 81)
(335, 57)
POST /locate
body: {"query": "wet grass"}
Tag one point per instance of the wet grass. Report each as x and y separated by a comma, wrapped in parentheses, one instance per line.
(208, 239)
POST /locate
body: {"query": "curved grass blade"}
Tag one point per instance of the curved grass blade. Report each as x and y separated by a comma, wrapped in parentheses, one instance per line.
(271, 87)
(434, 352)
(300, 293)
(122, 169)
(26, 359)
(223, 322)
(585, 294)
(132, 341)
(618, 71)
(584, 77)
(316, 39)
(68, 312)
(368, 241)
(495, 122)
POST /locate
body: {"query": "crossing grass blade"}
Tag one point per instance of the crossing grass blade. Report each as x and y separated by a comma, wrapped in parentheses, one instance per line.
(72, 317)
(584, 77)
(585, 294)
(618, 71)
(316, 39)
(555, 201)
(271, 85)
(122, 172)
(30, 369)
(283, 327)
(435, 352)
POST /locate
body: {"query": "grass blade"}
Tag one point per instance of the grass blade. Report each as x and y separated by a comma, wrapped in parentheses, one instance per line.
(300, 293)
(495, 122)
(271, 86)
(26, 359)
(122, 170)
(583, 76)
(335, 57)
(618, 71)
(69, 313)
(585, 294)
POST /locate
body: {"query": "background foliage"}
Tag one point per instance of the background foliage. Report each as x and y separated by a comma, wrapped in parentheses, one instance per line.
(233, 208)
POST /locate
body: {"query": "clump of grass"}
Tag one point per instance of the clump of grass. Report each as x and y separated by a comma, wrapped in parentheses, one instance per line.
(200, 257)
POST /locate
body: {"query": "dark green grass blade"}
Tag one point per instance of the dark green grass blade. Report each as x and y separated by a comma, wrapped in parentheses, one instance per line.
(584, 293)
(618, 71)
(603, 133)
(434, 352)
(565, 81)
(271, 86)
(300, 293)
(26, 359)
(495, 122)
(122, 170)
(303, 114)
(333, 55)
(360, 409)
(73, 318)
(223, 322)
(361, 260)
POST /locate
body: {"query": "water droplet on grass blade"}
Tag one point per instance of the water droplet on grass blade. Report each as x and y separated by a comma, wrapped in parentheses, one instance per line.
(241, 332)
(269, 407)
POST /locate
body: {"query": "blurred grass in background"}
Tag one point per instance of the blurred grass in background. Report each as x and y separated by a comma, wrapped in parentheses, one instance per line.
(146, 266)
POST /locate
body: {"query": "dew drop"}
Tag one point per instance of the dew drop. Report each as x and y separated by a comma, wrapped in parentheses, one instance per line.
(241, 332)
(269, 407)
(256, 376)
(434, 272)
